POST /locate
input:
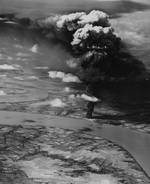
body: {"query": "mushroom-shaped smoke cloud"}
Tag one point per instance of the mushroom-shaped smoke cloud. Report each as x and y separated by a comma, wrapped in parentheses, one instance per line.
(92, 40)
(67, 25)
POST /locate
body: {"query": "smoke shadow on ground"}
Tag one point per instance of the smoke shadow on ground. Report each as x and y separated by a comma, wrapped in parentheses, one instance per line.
(131, 99)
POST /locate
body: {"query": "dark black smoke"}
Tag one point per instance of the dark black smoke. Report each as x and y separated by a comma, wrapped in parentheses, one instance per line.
(103, 57)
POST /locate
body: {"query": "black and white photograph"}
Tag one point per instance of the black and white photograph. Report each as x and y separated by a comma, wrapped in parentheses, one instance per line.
(74, 91)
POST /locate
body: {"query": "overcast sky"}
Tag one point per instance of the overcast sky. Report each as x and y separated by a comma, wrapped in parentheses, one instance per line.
(44, 7)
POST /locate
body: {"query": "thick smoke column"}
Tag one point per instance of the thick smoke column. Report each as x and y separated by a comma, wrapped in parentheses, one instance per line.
(92, 40)
(100, 55)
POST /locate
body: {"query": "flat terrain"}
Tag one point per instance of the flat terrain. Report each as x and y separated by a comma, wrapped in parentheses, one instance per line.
(43, 154)
(38, 147)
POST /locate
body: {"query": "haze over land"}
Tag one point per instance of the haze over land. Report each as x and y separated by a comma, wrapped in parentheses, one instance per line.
(38, 74)
(132, 25)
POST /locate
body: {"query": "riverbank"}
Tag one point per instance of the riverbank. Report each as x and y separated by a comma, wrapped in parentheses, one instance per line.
(42, 136)
(123, 123)
(47, 149)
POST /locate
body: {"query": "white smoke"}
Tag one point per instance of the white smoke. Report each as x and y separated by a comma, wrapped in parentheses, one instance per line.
(65, 19)
(56, 74)
(53, 103)
(94, 16)
(48, 22)
(80, 19)
(57, 103)
(41, 67)
(71, 78)
(73, 21)
(9, 67)
(3, 19)
(72, 63)
(64, 77)
(84, 97)
(85, 32)
(89, 98)
(11, 22)
(35, 48)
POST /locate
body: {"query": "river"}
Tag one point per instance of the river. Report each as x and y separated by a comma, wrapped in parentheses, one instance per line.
(26, 58)
(135, 142)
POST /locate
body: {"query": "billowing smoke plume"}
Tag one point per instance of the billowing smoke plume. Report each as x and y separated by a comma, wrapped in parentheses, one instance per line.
(65, 27)
(74, 21)
(91, 40)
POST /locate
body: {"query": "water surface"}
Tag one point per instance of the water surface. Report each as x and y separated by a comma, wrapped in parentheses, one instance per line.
(26, 86)
(136, 143)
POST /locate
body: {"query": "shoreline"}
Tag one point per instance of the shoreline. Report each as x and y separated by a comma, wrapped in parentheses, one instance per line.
(54, 131)
(42, 144)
